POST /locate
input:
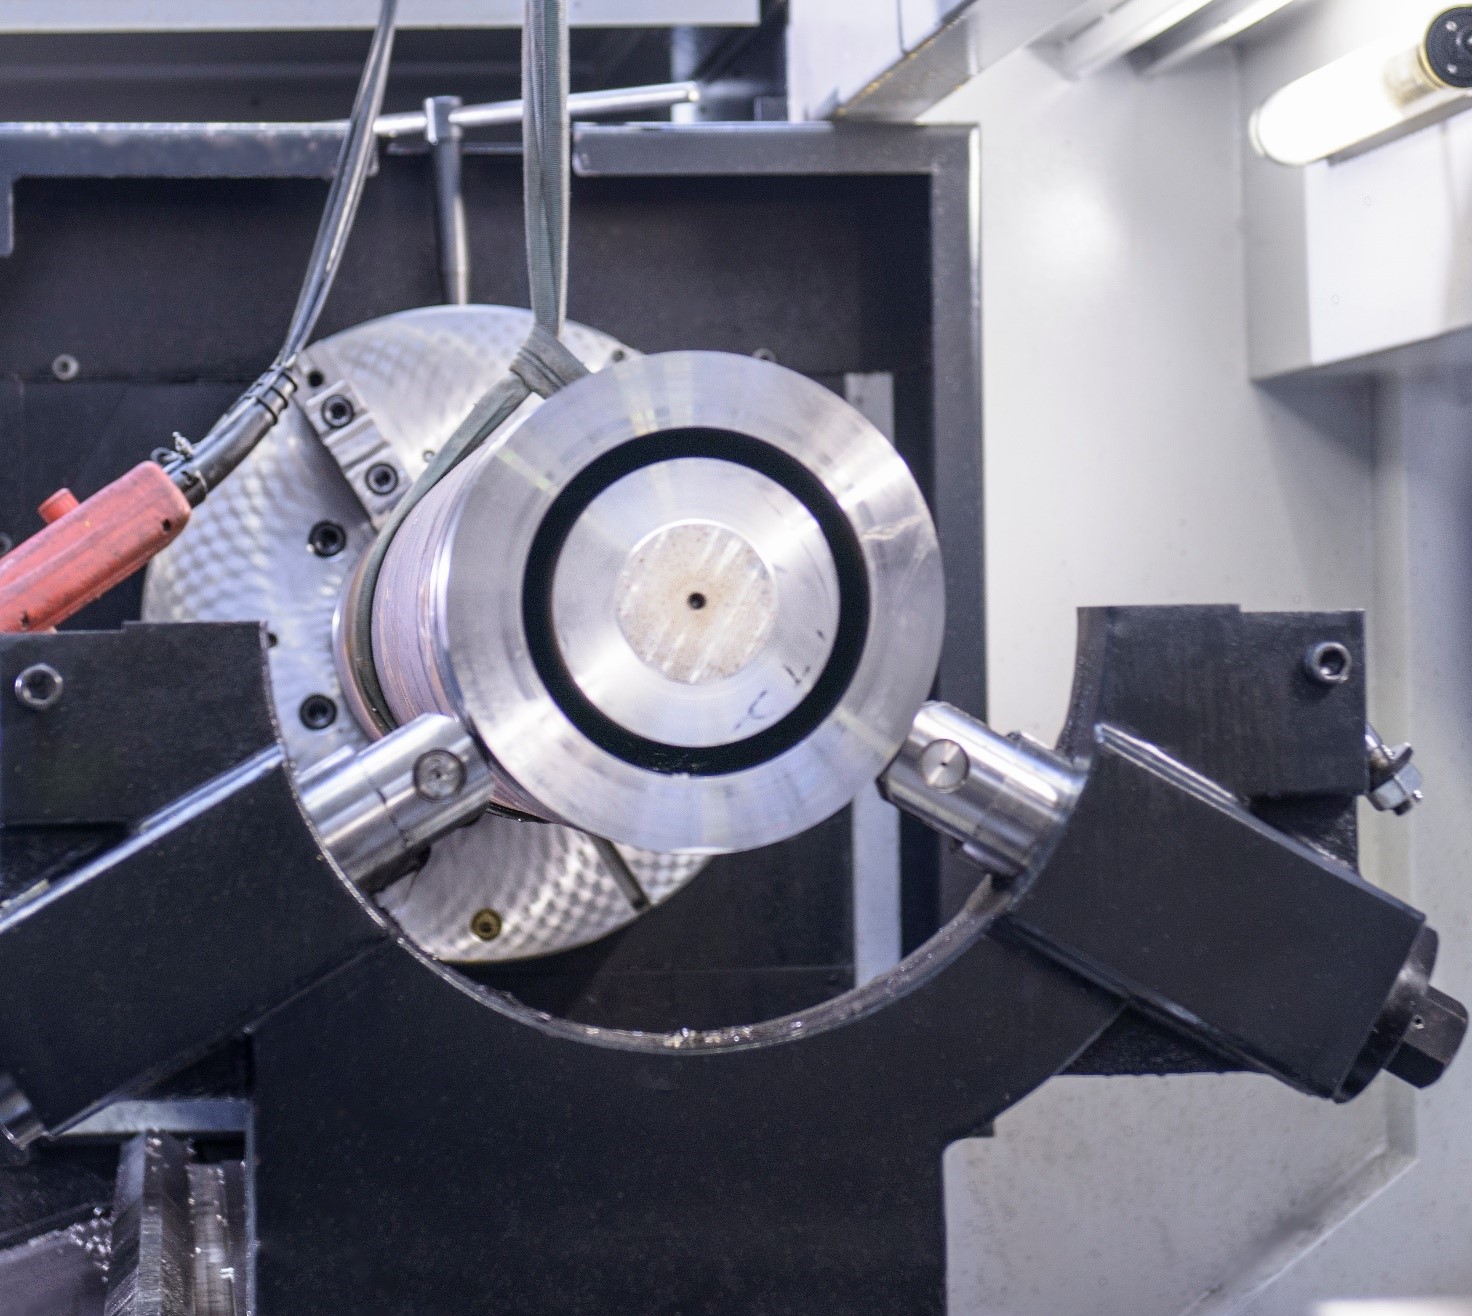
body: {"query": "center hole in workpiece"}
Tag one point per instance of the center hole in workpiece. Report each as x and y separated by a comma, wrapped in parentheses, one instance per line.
(696, 601)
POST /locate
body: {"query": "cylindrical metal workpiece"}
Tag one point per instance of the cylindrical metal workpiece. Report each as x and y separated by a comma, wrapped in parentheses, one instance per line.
(1001, 798)
(690, 604)
(376, 809)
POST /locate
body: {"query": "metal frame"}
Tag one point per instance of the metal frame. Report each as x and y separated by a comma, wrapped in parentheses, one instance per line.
(793, 1164)
(184, 150)
(947, 158)
(285, 15)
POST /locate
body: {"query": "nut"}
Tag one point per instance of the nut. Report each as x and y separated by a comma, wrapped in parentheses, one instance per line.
(1431, 1042)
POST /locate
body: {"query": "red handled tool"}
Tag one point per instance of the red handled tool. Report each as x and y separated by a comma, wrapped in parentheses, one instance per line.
(87, 548)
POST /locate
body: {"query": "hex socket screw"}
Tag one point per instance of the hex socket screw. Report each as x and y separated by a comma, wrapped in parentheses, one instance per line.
(381, 478)
(317, 712)
(327, 539)
(438, 775)
(1328, 663)
(39, 687)
(338, 410)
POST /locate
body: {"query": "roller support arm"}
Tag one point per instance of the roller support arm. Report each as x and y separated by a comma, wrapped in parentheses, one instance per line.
(1159, 885)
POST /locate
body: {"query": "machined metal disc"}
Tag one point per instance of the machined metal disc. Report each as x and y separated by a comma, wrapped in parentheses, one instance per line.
(254, 551)
(694, 602)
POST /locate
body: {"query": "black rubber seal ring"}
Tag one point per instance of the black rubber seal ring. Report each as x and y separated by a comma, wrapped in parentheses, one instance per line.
(853, 610)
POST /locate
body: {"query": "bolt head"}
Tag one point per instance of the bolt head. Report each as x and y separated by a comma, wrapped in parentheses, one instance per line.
(944, 766)
(338, 410)
(39, 687)
(1328, 663)
(439, 775)
(317, 712)
(381, 478)
(485, 924)
(1432, 1040)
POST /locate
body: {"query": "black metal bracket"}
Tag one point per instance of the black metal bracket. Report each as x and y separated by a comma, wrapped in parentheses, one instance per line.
(787, 1166)
(160, 150)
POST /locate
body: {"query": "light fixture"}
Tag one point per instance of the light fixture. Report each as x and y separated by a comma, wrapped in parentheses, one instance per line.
(1405, 81)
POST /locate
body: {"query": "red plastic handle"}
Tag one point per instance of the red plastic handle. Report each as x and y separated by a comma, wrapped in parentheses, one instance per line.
(87, 550)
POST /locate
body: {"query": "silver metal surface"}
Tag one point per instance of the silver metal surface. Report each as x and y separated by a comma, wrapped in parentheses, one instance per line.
(218, 1214)
(445, 138)
(19, 1124)
(580, 105)
(878, 932)
(695, 602)
(377, 809)
(348, 431)
(152, 1268)
(185, 1116)
(247, 554)
(1001, 798)
(546, 885)
(1396, 784)
(179, 1231)
(461, 646)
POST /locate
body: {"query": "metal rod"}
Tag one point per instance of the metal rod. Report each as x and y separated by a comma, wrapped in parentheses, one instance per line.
(580, 105)
(623, 876)
(1002, 799)
(445, 137)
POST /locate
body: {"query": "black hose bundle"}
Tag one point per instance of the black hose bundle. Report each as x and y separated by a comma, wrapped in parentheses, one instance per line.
(240, 429)
(542, 364)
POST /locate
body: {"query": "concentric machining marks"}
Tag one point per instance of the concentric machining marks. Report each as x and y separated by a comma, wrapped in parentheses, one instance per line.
(716, 610)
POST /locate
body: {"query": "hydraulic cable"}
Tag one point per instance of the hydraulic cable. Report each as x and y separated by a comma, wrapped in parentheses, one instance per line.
(542, 364)
(239, 430)
(88, 548)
